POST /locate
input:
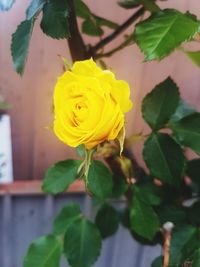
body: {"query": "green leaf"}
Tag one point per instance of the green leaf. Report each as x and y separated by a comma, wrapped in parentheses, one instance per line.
(159, 105)
(124, 216)
(183, 242)
(20, 44)
(193, 170)
(144, 220)
(54, 20)
(107, 220)
(99, 180)
(183, 110)
(150, 5)
(34, 8)
(60, 176)
(82, 243)
(193, 213)
(128, 4)
(171, 213)
(164, 158)
(194, 56)
(196, 259)
(44, 252)
(90, 27)
(84, 12)
(105, 22)
(120, 186)
(80, 150)
(158, 262)
(187, 131)
(82, 9)
(164, 31)
(66, 217)
(5, 5)
(151, 193)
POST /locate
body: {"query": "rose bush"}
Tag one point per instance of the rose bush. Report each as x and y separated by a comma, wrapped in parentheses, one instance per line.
(89, 109)
(89, 105)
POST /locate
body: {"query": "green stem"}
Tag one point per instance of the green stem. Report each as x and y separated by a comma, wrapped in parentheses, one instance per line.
(85, 166)
(89, 154)
(117, 31)
(127, 42)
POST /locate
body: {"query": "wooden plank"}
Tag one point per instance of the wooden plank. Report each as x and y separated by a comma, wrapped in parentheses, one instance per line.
(34, 188)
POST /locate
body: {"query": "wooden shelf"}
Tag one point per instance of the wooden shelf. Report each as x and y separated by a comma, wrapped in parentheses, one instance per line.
(33, 187)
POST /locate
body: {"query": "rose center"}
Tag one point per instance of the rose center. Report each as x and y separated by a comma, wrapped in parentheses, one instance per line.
(80, 112)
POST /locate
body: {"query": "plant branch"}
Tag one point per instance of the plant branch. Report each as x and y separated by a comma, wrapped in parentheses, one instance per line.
(119, 30)
(78, 49)
(127, 42)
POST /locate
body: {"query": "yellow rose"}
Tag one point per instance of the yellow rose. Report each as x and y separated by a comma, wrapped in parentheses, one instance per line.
(89, 105)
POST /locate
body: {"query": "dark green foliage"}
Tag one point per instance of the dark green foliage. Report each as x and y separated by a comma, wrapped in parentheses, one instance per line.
(159, 105)
(151, 193)
(187, 131)
(120, 186)
(128, 4)
(90, 27)
(171, 213)
(164, 158)
(149, 5)
(107, 220)
(99, 180)
(164, 31)
(67, 216)
(196, 258)
(193, 214)
(144, 220)
(124, 216)
(193, 170)
(82, 243)
(158, 262)
(20, 44)
(183, 243)
(44, 252)
(54, 20)
(60, 176)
